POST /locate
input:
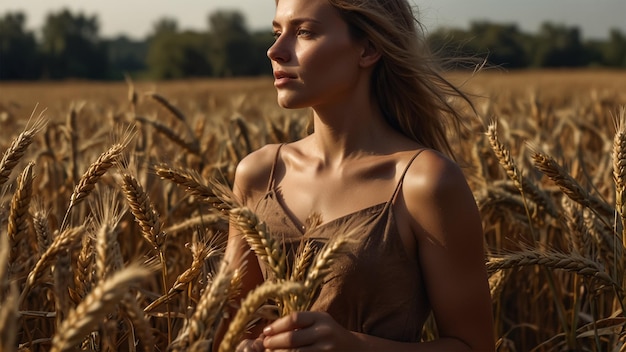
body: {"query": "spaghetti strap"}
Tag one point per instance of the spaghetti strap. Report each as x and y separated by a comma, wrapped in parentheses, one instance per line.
(270, 183)
(399, 185)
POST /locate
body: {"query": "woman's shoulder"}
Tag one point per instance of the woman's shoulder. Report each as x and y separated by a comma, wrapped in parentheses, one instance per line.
(435, 190)
(434, 175)
(254, 171)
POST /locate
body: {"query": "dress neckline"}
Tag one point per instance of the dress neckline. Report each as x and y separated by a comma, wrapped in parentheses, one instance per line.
(298, 225)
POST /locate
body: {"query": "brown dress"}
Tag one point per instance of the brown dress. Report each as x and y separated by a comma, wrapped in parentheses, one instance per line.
(375, 288)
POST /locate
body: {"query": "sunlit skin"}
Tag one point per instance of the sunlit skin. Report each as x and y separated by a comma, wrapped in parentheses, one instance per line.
(354, 160)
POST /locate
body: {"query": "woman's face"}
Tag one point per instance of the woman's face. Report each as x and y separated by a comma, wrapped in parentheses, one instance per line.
(314, 58)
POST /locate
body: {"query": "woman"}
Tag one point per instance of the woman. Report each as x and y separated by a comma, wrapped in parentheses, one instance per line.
(376, 156)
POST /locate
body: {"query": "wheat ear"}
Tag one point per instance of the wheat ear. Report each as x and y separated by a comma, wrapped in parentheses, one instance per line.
(18, 214)
(42, 227)
(251, 303)
(566, 261)
(148, 219)
(209, 307)
(200, 252)
(17, 149)
(496, 283)
(96, 305)
(508, 164)
(143, 211)
(568, 185)
(95, 171)
(216, 194)
(302, 262)
(82, 272)
(259, 239)
(619, 176)
(61, 242)
(167, 105)
(193, 146)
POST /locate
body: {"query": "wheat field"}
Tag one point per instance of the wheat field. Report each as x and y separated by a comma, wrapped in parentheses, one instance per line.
(114, 206)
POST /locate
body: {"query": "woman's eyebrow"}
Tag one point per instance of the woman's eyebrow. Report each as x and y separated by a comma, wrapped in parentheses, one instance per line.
(297, 21)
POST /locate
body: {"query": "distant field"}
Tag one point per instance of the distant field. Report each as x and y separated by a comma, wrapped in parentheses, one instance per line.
(113, 174)
(20, 98)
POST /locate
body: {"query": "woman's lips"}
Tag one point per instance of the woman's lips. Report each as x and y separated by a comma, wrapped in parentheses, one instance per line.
(282, 78)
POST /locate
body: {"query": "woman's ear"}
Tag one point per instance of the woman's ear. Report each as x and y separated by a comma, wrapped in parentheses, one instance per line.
(370, 55)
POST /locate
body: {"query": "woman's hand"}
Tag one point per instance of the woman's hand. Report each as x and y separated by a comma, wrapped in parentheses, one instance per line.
(308, 331)
(251, 345)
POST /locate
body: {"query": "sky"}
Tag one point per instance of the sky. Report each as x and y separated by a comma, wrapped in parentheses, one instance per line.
(135, 18)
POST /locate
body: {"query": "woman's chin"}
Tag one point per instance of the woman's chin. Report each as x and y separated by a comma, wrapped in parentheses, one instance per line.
(290, 103)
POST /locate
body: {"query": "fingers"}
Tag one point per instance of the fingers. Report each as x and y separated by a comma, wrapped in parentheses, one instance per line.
(290, 339)
(251, 345)
(302, 330)
(294, 321)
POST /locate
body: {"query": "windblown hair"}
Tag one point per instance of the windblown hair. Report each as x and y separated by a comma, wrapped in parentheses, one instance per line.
(407, 81)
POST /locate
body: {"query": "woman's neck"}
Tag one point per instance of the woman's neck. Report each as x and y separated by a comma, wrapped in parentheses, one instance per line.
(348, 131)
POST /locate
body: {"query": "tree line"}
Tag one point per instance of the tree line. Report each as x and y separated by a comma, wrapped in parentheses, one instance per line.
(69, 45)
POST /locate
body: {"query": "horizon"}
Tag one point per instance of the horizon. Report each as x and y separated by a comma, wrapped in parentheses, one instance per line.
(594, 20)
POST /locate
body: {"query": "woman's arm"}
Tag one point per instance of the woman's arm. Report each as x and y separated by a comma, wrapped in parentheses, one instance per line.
(448, 228)
(250, 181)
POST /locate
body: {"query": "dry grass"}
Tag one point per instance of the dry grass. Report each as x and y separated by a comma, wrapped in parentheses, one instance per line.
(548, 178)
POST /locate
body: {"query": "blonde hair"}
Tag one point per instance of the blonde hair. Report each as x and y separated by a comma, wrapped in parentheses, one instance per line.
(407, 82)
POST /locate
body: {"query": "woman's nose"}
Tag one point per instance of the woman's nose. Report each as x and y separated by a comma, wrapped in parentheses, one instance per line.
(278, 52)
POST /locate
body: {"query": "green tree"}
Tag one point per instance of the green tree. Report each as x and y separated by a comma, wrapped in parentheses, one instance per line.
(126, 56)
(231, 45)
(174, 54)
(261, 41)
(19, 58)
(502, 42)
(614, 52)
(72, 47)
(559, 46)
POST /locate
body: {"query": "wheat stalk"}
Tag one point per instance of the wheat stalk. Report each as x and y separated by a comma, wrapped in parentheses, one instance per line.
(140, 325)
(62, 279)
(575, 222)
(9, 316)
(214, 221)
(508, 164)
(321, 266)
(96, 305)
(619, 177)
(193, 146)
(209, 307)
(5, 250)
(200, 252)
(167, 105)
(61, 242)
(148, 219)
(251, 303)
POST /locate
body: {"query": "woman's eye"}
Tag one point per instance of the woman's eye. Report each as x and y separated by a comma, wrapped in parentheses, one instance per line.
(304, 33)
(276, 34)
